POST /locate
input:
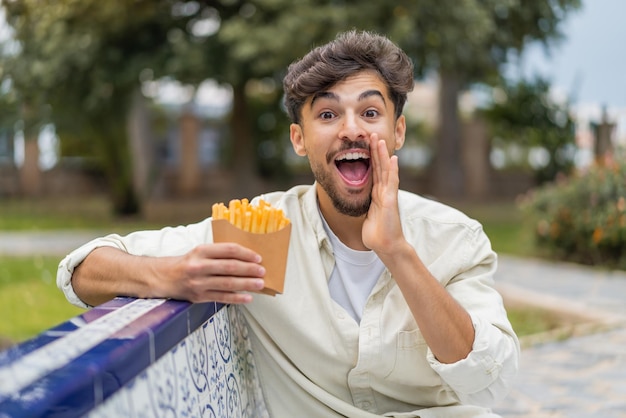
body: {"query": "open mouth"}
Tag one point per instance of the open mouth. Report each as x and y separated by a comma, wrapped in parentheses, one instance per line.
(353, 167)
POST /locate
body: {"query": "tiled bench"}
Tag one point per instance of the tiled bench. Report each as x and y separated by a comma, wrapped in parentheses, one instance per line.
(135, 358)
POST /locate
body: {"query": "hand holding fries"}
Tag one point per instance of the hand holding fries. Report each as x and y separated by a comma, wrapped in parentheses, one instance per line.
(261, 219)
(246, 224)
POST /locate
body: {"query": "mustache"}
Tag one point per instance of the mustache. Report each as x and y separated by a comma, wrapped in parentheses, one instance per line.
(352, 145)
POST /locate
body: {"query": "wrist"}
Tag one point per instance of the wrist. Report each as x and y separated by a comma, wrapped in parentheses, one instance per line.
(396, 251)
(159, 274)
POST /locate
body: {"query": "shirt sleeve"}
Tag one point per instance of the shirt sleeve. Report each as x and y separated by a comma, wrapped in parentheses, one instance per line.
(71, 261)
(167, 241)
(484, 376)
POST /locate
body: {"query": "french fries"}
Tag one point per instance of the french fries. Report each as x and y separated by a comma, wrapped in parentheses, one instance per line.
(259, 219)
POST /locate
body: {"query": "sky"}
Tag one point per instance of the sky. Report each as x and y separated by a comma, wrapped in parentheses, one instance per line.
(589, 65)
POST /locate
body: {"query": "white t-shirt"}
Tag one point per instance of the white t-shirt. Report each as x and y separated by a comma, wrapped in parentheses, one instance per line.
(354, 275)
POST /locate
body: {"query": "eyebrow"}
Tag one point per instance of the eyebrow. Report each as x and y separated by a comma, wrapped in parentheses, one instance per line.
(332, 96)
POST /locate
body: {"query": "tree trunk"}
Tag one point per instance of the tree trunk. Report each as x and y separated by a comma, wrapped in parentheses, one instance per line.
(30, 174)
(120, 176)
(119, 173)
(110, 133)
(140, 145)
(189, 169)
(476, 166)
(448, 170)
(244, 150)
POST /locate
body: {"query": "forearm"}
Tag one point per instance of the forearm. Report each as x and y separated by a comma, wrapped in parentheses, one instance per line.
(108, 272)
(444, 323)
(484, 377)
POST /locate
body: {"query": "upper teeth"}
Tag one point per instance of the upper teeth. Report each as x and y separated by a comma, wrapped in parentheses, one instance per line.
(353, 156)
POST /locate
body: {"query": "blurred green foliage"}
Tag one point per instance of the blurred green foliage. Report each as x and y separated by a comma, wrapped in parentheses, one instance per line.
(523, 113)
(81, 63)
(582, 218)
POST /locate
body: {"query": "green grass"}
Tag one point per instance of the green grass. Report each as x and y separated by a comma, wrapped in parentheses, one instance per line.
(528, 321)
(504, 224)
(53, 213)
(30, 301)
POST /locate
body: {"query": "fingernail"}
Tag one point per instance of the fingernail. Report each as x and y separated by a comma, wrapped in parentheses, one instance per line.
(259, 284)
(261, 271)
(258, 259)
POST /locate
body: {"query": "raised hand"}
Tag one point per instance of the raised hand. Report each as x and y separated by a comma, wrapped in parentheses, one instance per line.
(382, 228)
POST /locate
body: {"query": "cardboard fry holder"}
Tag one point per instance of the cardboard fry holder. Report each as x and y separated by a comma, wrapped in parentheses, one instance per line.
(272, 246)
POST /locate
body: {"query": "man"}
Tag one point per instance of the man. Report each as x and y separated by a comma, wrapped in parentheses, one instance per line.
(388, 308)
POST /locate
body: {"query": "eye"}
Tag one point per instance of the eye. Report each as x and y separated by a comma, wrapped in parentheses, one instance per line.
(326, 115)
(370, 113)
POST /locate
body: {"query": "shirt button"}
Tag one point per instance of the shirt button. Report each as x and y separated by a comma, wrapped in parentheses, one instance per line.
(365, 405)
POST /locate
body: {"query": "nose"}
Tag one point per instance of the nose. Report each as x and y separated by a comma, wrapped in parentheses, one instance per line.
(352, 128)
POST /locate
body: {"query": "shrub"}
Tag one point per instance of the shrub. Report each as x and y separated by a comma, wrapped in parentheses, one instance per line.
(582, 218)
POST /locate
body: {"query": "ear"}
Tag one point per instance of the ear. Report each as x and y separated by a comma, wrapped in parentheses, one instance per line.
(297, 139)
(400, 132)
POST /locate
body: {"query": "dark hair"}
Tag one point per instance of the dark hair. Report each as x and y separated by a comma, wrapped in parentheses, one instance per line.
(349, 53)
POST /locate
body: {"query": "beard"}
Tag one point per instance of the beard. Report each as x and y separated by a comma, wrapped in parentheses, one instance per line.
(351, 207)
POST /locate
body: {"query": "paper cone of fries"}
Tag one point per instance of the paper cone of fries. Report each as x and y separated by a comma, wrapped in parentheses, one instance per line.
(272, 245)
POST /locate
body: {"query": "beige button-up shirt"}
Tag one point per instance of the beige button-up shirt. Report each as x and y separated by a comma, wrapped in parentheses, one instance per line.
(314, 360)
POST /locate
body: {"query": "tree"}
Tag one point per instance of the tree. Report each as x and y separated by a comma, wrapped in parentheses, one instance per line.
(526, 115)
(29, 112)
(465, 42)
(86, 59)
(8, 119)
(258, 43)
(8, 110)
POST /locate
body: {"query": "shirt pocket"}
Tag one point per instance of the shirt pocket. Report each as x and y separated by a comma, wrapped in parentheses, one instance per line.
(408, 364)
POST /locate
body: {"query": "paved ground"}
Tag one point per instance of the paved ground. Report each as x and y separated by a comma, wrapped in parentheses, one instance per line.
(583, 375)
(578, 371)
(55, 243)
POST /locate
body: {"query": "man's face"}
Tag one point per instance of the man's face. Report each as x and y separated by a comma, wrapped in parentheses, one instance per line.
(334, 133)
